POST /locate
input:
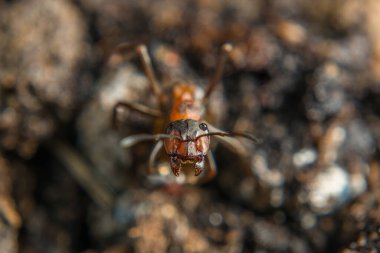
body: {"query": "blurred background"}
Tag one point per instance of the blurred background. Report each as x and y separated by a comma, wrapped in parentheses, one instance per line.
(304, 77)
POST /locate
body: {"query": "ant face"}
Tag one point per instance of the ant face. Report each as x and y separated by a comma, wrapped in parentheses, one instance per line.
(190, 148)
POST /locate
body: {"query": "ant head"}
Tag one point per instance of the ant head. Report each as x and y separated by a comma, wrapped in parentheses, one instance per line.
(186, 142)
(190, 146)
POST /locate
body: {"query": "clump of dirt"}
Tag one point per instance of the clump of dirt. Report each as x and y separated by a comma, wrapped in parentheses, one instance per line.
(42, 48)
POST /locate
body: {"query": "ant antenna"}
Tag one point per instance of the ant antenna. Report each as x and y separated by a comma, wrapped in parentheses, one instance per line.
(231, 134)
(134, 139)
(226, 49)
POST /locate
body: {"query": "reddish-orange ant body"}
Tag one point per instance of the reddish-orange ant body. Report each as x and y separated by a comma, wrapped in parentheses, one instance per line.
(186, 138)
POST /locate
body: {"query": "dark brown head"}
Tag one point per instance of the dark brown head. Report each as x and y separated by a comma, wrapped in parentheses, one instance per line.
(190, 146)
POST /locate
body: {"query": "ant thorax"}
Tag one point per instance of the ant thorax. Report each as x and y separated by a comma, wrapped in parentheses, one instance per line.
(187, 102)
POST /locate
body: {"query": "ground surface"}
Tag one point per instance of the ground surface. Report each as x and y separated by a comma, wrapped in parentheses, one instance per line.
(304, 77)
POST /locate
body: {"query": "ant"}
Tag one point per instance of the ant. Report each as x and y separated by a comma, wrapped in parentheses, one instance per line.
(186, 138)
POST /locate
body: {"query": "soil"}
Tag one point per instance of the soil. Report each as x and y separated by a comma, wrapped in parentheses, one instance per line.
(303, 77)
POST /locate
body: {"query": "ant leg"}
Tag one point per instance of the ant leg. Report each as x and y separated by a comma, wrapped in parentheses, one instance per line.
(134, 107)
(236, 147)
(153, 156)
(148, 69)
(124, 50)
(232, 144)
(212, 165)
(212, 170)
(226, 49)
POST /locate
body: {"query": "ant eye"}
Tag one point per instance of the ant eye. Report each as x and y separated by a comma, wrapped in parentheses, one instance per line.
(203, 126)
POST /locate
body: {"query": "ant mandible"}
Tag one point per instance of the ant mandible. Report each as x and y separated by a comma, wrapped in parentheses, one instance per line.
(186, 138)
